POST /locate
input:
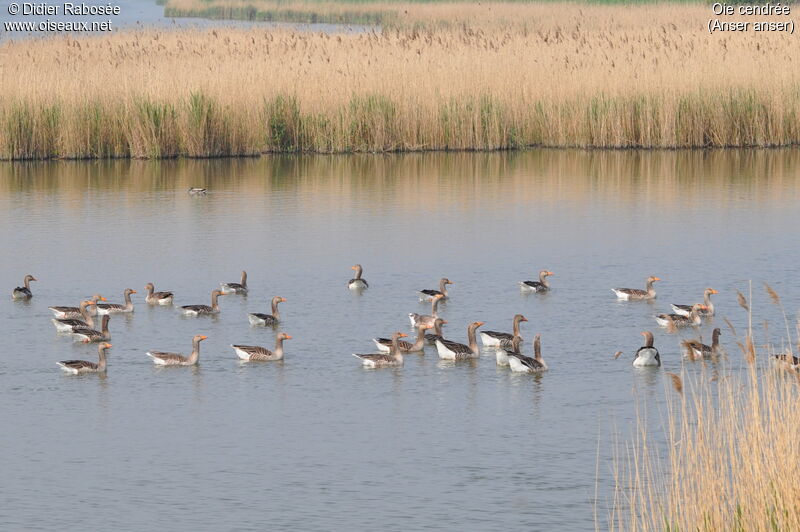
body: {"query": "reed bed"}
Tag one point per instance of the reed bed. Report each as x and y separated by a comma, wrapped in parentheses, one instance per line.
(563, 75)
(732, 458)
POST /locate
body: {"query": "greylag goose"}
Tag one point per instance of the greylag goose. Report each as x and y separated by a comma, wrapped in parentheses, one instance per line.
(385, 344)
(203, 310)
(24, 291)
(430, 294)
(431, 338)
(647, 355)
(357, 282)
(523, 364)
(258, 318)
(174, 359)
(393, 358)
(77, 367)
(66, 313)
(787, 361)
(455, 351)
(501, 339)
(197, 191)
(254, 353)
(86, 334)
(677, 320)
(501, 355)
(70, 324)
(537, 286)
(694, 349)
(426, 319)
(635, 294)
(113, 308)
(686, 310)
(235, 288)
(157, 298)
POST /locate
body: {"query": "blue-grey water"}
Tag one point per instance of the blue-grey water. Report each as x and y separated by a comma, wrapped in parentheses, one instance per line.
(133, 14)
(317, 442)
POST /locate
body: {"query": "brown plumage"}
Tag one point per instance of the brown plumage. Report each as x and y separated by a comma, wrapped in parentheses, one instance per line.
(161, 358)
(255, 353)
(83, 366)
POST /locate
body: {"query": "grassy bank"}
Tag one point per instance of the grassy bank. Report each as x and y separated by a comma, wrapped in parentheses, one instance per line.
(393, 14)
(563, 75)
(732, 459)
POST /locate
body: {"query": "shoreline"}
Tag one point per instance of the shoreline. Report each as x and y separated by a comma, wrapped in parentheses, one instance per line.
(460, 151)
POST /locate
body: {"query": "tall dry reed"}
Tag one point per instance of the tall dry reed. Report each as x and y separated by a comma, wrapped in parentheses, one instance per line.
(732, 458)
(561, 75)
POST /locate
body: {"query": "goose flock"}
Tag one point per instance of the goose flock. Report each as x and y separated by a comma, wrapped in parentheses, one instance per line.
(79, 322)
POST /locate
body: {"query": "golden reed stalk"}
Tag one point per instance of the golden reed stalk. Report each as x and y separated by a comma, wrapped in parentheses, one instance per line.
(491, 76)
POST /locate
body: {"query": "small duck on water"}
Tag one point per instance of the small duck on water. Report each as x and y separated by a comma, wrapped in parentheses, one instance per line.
(197, 191)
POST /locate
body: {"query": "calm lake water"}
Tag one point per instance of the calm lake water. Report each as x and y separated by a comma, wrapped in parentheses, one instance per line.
(317, 442)
(143, 14)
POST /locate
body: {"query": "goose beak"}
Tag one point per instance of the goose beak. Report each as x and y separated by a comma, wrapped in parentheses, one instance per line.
(656, 278)
(402, 335)
(102, 299)
(133, 291)
(109, 345)
(550, 273)
(524, 318)
(445, 321)
(479, 323)
(283, 300)
(353, 267)
(202, 337)
(713, 291)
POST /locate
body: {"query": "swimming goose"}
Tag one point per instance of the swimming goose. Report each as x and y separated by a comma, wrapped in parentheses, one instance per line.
(647, 355)
(87, 334)
(203, 310)
(501, 355)
(385, 344)
(393, 358)
(66, 313)
(431, 338)
(455, 351)
(426, 319)
(635, 294)
(24, 291)
(537, 286)
(694, 349)
(425, 295)
(69, 324)
(112, 308)
(501, 339)
(677, 320)
(258, 318)
(685, 310)
(174, 359)
(523, 364)
(157, 298)
(786, 361)
(254, 353)
(77, 367)
(197, 191)
(357, 282)
(235, 288)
